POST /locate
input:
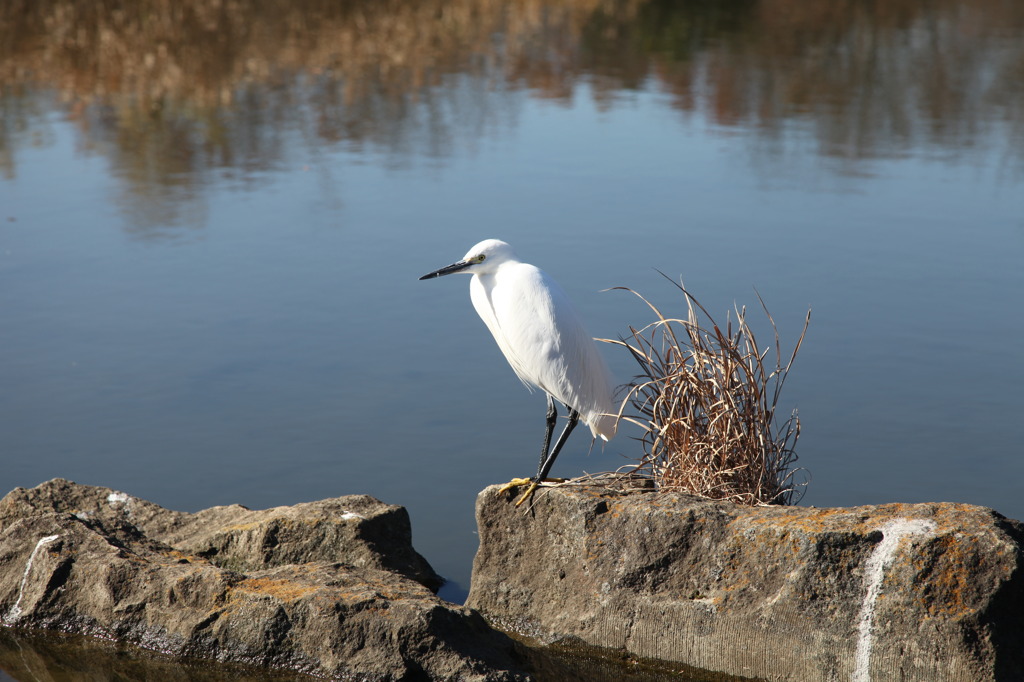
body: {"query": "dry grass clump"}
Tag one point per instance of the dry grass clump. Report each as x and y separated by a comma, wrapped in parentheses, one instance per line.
(706, 401)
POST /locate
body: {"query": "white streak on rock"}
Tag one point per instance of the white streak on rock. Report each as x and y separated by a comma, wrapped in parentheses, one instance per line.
(349, 516)
(123, 500)
(874, 571)
(15, 612)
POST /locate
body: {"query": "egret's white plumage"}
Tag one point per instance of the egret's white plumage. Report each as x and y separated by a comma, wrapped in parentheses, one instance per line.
(540, 334)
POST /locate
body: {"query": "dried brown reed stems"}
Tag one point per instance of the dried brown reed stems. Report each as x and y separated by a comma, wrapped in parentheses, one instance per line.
(706, 401)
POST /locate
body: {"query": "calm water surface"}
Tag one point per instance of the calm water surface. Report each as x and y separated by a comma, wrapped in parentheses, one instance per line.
(212, 221)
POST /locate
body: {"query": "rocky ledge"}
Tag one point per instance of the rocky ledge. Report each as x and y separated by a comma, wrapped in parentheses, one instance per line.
(922, 592)
(331, 588)
(929, 592)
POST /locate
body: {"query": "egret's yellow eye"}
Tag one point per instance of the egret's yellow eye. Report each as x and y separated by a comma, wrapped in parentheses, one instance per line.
(479, 258)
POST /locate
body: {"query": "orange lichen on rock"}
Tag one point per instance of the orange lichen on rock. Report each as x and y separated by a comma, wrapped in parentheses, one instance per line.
(285, 590)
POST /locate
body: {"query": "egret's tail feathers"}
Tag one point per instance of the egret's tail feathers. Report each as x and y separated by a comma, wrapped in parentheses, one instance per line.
(603, 425)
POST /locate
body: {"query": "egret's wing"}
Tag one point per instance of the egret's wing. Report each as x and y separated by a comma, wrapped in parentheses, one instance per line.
(585, 384)
(545, 342)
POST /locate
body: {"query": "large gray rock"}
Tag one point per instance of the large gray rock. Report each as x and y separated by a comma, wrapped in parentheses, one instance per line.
(300, 590)
(928, 592)
(355, 529)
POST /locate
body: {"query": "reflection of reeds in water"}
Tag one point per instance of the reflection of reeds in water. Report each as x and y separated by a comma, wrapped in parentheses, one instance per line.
(180, 86)
(871, 77)
(204, 52)
(706, 401)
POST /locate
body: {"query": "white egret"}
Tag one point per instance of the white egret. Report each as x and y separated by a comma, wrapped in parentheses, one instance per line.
(544, 340)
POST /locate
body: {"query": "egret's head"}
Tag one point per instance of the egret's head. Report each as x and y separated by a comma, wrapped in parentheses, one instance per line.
(482, 258)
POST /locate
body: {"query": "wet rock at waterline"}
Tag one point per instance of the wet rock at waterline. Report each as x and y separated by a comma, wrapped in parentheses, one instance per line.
(927, 592)
(323, 588)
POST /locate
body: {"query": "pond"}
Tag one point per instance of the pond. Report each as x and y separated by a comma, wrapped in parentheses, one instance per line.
(213, 217)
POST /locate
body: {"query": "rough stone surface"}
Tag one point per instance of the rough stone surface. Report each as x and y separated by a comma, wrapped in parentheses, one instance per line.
(356, 529)
(891, 592)
(296, 588)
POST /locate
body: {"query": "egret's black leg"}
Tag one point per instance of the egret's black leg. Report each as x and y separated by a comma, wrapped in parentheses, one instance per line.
(552, 417)
(545, 466)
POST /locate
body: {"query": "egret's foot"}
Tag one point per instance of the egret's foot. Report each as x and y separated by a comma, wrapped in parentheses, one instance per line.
(529, 492)
(534, 484)
(515, 483)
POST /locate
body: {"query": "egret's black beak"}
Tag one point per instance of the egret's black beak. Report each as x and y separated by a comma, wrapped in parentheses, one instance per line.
(447, 270)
